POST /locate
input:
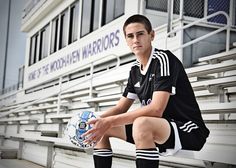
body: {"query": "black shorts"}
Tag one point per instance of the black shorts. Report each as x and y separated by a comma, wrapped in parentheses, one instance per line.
(190, 137)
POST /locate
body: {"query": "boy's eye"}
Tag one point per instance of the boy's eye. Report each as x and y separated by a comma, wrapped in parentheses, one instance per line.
(140, 33)
(130, 36)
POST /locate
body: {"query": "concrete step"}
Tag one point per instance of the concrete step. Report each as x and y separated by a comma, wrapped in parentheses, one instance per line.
(8, 152)
(15, 163)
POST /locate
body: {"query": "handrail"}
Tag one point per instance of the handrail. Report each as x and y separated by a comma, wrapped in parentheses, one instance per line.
(205, 36)
(60, 82)
(9, 89)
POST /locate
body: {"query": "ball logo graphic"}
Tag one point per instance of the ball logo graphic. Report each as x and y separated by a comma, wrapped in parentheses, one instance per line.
(82, 125)
(77, 126)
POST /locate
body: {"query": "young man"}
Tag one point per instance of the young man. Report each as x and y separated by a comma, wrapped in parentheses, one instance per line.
(169, 117)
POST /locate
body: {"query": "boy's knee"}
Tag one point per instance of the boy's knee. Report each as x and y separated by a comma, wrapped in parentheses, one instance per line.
(141, 129)
(140, 123)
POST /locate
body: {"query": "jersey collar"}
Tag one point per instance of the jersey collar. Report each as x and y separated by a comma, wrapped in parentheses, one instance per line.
(143, 72)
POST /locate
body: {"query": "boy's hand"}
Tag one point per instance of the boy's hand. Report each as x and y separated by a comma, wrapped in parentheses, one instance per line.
(100, 126)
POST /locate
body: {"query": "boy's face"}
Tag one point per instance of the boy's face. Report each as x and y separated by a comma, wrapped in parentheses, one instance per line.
(138, 39)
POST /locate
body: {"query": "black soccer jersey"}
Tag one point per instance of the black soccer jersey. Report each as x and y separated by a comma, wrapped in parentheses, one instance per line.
(164, 72)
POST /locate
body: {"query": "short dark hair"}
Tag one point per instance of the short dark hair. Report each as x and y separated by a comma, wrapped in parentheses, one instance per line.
(137, 18)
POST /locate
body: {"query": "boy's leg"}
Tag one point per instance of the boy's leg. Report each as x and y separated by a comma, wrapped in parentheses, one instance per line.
(147, 131)
(147, 158)
(102, 155)
(102, 158)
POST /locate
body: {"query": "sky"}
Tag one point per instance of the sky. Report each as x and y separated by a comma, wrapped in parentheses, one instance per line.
(16, 43)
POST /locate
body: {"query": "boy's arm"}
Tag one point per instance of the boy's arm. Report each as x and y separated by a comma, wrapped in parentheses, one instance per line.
(122, 106)
(115, 117)
(154, 109)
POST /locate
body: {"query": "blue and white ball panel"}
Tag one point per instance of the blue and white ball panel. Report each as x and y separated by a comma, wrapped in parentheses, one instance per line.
(78, 126)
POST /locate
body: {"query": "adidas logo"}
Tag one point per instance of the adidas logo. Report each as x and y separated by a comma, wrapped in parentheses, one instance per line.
(137, 84)
(151, 76)
(189, 126)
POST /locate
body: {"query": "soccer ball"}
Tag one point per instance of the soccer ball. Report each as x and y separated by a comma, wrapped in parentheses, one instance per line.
(77, 126)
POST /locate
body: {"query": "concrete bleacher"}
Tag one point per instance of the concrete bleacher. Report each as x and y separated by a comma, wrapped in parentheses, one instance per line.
(211, 68)
(8, 152)
(16, 163)
(222, 139)
(212, 59)
(43, 125)
(13, 120)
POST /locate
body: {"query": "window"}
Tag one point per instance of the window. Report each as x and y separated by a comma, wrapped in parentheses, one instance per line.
(63, 35)
(159, 5)
(54, 35)
(90, 16)
(112, 9)
(86, 17)
(44, 42)
(218, 5)
(193, 8)
(96, 14)
(64, 30)
(73, 24)
(33, 49)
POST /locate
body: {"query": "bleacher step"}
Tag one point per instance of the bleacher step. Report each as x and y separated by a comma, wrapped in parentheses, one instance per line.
(234, 44)
(49, 133)
(16, 163)
(8, 152)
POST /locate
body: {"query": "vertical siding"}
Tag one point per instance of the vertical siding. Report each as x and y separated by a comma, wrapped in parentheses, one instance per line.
(35, 153)
(75, 159)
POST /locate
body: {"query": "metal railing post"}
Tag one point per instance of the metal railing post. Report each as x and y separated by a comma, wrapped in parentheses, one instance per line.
(170, 15)
(181, 10)
(228, 35)
(59, 96)
(91, 81)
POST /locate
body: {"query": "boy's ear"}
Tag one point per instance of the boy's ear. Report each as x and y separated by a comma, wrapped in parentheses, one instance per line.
(152, 34)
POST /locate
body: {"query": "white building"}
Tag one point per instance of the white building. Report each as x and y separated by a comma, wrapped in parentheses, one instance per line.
(73, 48)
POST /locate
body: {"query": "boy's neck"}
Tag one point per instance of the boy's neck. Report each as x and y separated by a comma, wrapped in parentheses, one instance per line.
(143, 59)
